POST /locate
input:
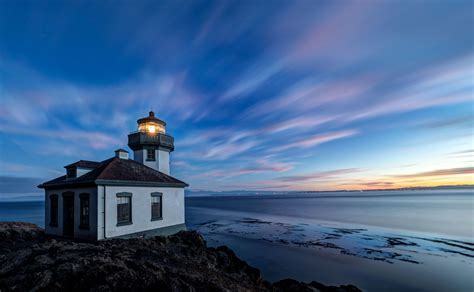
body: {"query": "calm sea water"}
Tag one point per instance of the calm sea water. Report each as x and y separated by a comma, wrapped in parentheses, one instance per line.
(379, 241)
(447, 212)
(29, 211)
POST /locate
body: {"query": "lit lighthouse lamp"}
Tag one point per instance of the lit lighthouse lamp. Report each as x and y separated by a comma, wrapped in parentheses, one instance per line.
(151, 125)
(150, 144)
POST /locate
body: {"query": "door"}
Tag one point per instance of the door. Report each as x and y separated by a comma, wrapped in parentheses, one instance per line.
(68, 215)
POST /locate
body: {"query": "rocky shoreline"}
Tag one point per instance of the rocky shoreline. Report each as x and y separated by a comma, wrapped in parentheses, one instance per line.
(29, 261)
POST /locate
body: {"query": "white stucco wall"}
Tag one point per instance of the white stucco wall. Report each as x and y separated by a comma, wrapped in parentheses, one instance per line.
(78, 233)
(161, 163)
(164, 161)
(173, 210)
(140, 156)
(151, 163)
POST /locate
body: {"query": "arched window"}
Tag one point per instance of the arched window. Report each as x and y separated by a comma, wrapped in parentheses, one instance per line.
(53, 211)
(84, 211)
(156, 206)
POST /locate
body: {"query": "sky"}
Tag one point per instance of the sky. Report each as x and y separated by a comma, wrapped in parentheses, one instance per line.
(259, 95)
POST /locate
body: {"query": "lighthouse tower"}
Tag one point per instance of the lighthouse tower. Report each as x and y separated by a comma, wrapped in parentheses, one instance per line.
(150, 144)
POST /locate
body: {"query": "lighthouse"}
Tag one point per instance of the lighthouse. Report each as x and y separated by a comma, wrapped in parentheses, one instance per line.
(119, 197)
(150, 144)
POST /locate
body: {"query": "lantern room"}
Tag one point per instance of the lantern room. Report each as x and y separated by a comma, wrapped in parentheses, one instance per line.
(151, 125)
(150, 144)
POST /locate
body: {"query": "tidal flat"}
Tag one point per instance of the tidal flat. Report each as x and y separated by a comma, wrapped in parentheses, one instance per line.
(390, 241)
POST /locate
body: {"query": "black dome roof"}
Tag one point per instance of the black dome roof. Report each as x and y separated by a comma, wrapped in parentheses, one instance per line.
(151, 118)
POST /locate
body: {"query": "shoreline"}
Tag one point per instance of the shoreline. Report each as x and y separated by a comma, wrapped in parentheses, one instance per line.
(343, 224)
(372, 258)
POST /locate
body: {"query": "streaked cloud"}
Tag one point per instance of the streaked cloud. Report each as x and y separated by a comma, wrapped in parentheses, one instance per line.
(12, 169)
(449, 122)
(318, 175)
(260, 166)
(257, 95)
(251, 80)
(440, 172)
(317, 140)
(227, 150)
(95, 140)
(450, 84)
(17, 185)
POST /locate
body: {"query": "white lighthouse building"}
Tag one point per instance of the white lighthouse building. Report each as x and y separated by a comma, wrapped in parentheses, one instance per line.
(119, 197)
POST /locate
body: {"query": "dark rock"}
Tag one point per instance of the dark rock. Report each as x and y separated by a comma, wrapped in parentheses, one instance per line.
(291, 285)
(342, 288)
(29, 261)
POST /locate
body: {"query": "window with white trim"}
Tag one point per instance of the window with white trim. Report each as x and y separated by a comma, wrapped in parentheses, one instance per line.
(156, 206)
(124, 209)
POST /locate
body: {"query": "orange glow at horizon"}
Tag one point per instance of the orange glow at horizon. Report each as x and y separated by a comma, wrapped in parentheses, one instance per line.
(389, 183)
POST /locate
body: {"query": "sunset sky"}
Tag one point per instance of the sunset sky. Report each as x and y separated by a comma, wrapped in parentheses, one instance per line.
(259, 95)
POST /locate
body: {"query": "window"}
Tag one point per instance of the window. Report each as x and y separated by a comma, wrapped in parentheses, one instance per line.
(124, 209)
(156, 206)
(150, 154)
(53, 217)
(71, 172)
(84, 215)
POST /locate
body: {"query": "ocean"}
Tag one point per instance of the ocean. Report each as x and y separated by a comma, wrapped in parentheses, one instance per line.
(378, 241)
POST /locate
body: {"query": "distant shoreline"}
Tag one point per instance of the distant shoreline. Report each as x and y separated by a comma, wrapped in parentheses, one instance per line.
(191, 193)
(196, 193)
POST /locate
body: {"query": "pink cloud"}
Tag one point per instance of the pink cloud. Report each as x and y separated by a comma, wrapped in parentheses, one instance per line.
(95, 140)
(318, 175)
(301, 122)
(266, 164)
(211, 21)
(253, 78)
(306, 95)
(439, 172)
(328, 39)
(37, 104)
(261, 166)
(317, 140)
(446, 84)
(227, 150)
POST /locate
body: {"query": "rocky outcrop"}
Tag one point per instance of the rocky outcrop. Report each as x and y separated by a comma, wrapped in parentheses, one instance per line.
(29, 261)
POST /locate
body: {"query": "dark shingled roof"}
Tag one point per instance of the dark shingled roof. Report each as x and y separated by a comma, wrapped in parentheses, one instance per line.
(116, 171)
(84, 163)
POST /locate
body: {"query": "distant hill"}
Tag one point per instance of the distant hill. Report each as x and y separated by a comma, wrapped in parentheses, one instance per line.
(455, 187)
(200, 193)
